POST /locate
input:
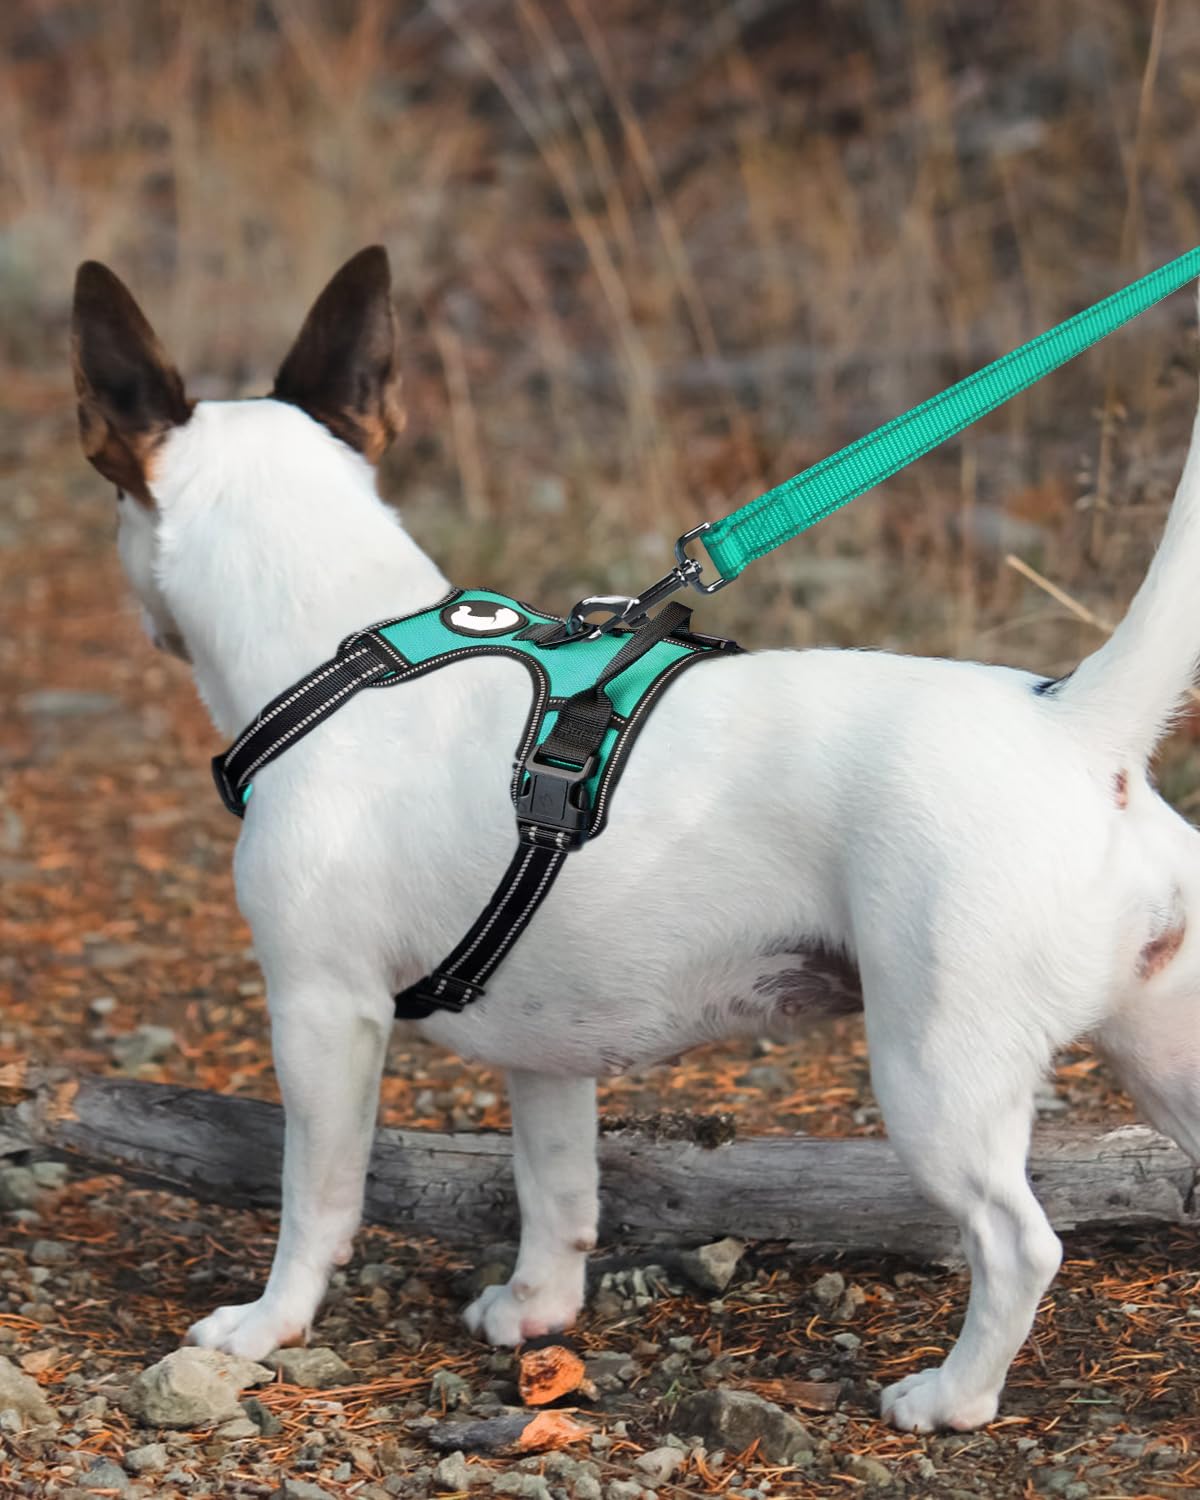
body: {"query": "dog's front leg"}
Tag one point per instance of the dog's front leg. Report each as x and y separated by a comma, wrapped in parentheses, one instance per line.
(554, 1163)
(328, 1056)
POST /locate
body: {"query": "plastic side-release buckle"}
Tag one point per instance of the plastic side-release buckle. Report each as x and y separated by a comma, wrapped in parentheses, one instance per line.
(554, 800)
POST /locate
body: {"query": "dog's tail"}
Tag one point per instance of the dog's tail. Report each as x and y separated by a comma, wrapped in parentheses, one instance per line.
(1126, 694)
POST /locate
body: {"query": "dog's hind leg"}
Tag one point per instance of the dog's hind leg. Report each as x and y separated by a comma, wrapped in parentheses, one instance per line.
(957, 1100)
(1153, 1041)
(328, 1058)
(554, 1164)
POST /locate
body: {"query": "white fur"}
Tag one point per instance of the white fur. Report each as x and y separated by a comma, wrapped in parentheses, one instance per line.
(956, 834)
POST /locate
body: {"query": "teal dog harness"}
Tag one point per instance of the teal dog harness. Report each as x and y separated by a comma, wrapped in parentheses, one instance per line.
(592, 695)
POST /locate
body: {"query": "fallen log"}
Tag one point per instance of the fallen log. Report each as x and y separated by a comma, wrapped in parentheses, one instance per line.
(821, 1194)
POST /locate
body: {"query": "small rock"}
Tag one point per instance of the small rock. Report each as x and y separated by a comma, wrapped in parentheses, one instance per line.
(147, 1459)
(192, 1388)
(238, 1427)
(659, 1463)
(623, 1489)
(50, 1174)
(105, 1475)
(829, 1289)
(609, 1370)
(734, 1419)
(587, 1487)
(448, 1390)
(453, 1473)
(1077, 1491)
(869, 1470)
(23, 1396)
(50, 1253)
(852, 1300)
(262, 1416)
(65, 703)
(301, 1489)
(1128, 1445)
(18, 1187)
(318, 1369)
(848, 1341)
(148, 1044)
(711, 1267)
(532, 1486)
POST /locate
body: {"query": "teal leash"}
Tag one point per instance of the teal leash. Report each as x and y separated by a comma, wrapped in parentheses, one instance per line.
(762, 524)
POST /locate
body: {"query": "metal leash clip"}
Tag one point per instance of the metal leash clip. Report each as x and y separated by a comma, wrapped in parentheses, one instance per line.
(625, 609)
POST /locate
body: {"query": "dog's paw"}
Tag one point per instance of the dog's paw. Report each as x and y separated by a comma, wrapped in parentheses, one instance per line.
(510, 1314)
(251, 1330)
(927, 1400)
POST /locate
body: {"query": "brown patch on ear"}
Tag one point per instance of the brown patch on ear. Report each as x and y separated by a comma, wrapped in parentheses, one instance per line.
(1121, 789)
(342, 369)
(130, 394)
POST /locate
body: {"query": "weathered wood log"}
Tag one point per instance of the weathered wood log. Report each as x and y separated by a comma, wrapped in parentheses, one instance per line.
(821, 1194)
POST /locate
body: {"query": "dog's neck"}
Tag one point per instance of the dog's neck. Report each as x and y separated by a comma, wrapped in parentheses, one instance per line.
(274, 546)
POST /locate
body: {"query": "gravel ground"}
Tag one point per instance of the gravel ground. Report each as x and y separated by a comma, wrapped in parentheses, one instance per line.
(120, 951)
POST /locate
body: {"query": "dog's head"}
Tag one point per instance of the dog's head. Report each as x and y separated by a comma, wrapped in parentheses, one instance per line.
(341, 371)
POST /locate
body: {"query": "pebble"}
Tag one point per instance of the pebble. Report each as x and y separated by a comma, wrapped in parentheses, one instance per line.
(448, 1390)
(711, 1267)
(623, 1489)
(50, 1253)
(22, 1396)
(106, 1475)
(848, 1341)
(147, 1459)
(318, 1369)
(828, 1289)
(147, 1044)
(192, 1388)
(736, 1418)
(659, 1463)
(869, 1470)
(65, 703)
(531, 1486)
(587, 1487)
(453, 1473)
(300, 1489)
(18, 1187)
(262, 1416)
(238, 1427)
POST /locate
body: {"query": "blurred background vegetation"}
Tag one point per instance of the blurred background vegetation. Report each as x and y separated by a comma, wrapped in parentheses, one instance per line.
(652, 256)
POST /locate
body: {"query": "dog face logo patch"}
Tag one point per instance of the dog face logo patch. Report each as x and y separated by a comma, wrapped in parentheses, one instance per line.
(478, 619)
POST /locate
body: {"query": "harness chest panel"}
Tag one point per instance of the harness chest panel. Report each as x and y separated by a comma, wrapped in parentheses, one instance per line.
(592, 694)
(478, 622)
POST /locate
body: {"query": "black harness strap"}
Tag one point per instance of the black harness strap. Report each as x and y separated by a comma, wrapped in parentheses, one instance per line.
(361, 661)
(552, 820)
(550, 787)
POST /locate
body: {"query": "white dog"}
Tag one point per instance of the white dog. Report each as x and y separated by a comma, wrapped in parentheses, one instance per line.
(988, 855)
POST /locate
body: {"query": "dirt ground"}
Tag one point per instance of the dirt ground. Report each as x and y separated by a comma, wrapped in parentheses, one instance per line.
(870, 200)
(118, 916)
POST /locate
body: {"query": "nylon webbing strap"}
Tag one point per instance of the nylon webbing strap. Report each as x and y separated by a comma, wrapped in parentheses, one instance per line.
(782, 513)
(360, 662)
(552, 818)
(461, 977)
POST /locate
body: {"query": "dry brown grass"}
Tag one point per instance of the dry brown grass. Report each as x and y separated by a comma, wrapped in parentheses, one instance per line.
(652, 257)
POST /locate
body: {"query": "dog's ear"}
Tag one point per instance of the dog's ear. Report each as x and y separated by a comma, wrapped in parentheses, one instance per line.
(342, 369)
(130, 394)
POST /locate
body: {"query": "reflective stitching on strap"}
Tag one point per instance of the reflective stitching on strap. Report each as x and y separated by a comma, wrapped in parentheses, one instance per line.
(491, 922)
(278, 708)
(289, 734)
(517, 925)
